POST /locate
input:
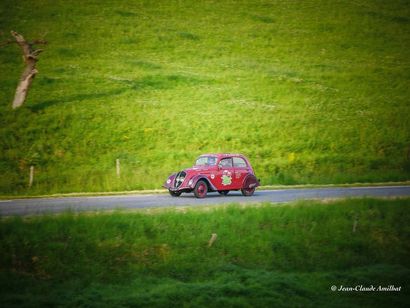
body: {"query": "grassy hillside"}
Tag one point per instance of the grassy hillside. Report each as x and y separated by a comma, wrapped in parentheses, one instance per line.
(310, 91)
(264, 256)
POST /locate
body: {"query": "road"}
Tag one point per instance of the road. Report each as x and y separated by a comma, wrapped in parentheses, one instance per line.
(35, 206)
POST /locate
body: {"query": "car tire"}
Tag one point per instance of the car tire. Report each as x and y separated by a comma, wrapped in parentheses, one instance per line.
(174, 193)
(247, 192)
(223, 192)
(200, 189)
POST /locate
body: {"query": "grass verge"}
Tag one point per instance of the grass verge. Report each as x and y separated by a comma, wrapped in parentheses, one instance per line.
(264, 256)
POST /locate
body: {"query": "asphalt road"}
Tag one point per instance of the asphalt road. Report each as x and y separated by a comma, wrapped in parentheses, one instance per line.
(37, 206)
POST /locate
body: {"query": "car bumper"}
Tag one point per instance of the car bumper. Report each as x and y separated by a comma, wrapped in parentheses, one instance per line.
(180, 188)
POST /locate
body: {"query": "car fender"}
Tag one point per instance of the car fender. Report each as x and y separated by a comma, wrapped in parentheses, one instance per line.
(171, 179)
(250, 181)
(198, 177)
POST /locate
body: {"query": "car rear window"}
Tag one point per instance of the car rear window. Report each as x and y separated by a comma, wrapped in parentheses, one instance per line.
(239, 162)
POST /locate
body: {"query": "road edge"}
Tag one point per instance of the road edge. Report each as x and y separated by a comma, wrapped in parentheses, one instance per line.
(164, 191)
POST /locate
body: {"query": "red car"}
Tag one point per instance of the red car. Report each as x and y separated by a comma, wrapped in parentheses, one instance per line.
(214, 172)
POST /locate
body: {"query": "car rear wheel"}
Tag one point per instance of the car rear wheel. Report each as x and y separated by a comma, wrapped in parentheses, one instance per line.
(223, 192)
(174, 193)
(200, 189)
(247, 192)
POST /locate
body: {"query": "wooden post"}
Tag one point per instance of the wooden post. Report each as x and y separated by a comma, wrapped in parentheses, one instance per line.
(212, 240)
(118, 168)
(30, 183)
(355, 221)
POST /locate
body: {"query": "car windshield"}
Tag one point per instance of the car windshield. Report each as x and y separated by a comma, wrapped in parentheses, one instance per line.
(206, 161)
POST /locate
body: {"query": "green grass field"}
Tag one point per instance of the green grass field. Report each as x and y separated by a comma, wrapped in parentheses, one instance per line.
(311, 91)
(264, 256)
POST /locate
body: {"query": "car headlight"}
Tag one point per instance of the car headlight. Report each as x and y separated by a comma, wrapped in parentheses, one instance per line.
(190, 182)
(168, 181)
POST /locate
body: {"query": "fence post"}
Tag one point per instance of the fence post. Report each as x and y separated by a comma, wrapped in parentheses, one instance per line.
(30, 183)
(212, 240)
(355, 221)
(118, 168)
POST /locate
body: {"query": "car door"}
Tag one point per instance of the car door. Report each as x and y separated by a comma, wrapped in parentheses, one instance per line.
(241, 169)
(225, 176)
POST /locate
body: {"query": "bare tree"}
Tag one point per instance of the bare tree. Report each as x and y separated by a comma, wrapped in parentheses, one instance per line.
(30, 55)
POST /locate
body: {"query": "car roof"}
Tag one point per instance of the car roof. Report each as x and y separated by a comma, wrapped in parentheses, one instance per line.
(220, 155)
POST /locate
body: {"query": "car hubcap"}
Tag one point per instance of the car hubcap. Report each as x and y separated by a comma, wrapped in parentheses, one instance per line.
(249, 190)
(201, 189)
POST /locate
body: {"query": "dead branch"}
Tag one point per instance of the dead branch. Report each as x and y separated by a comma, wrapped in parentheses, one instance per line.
(30, 55)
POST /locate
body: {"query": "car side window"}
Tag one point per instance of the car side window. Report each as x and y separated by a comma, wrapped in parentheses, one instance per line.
(239, 162)
(225, 163)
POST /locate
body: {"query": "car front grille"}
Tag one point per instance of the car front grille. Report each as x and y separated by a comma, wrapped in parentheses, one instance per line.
(179, 179)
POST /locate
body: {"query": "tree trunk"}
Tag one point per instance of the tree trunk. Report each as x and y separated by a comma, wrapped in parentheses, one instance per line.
(30, 71)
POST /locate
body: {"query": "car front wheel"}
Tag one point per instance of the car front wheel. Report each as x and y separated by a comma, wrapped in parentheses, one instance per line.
(200, 189)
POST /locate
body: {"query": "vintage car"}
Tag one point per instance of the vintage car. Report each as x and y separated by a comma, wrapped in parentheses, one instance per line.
(214, 172)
